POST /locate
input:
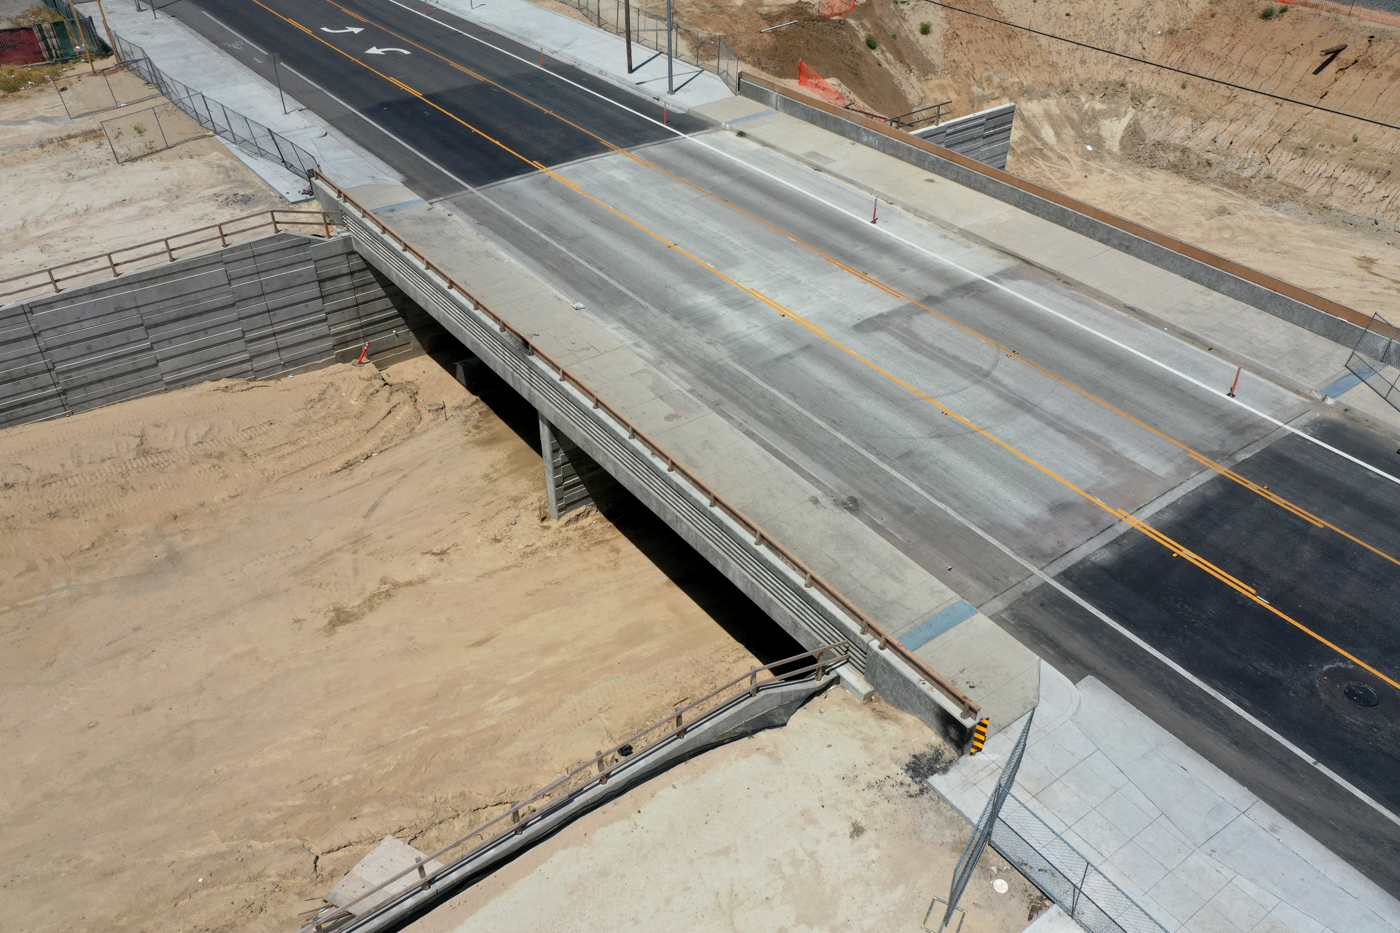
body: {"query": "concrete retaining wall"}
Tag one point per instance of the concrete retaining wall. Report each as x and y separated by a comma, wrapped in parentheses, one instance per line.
(984, 136)
(1196, 270)
(273, 305)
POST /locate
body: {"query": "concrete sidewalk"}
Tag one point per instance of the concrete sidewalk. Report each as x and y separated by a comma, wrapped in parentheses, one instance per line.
(1195, 849)
(594, 50)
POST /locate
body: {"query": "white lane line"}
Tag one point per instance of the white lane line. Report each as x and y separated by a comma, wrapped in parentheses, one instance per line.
(947, 262)
(1111, 623)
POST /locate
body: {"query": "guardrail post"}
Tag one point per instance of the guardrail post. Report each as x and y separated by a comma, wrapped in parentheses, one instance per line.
(753, 681)
(680, 730)
(421, 874)
(52, 280)
(821, 663)
(602, 770)
(515, 818)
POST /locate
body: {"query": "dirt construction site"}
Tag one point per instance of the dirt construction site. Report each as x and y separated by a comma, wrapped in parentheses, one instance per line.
(250, 628)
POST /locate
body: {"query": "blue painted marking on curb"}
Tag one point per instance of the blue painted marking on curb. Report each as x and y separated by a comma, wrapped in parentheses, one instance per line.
(752, 116)
(394, 207)
(916, 638)
(1344, 384)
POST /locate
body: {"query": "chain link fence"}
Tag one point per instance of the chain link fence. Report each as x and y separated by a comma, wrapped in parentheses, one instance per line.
(1049, 862)
(215, 117)
(1376, 359)
(702, 49)
(1067, 878)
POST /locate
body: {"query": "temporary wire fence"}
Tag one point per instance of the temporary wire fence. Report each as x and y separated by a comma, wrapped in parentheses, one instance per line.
(1376, 359)
(967, 862)
(215, 117)
(1064, 875)
(1043, 856)
(142, 132)
(85, 94)
(702, 49)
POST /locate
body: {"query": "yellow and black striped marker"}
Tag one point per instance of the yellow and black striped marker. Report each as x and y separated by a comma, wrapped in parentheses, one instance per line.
(979, 736)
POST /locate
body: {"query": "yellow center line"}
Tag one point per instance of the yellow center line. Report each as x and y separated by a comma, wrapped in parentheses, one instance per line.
(1194, 454)
(1122, 514)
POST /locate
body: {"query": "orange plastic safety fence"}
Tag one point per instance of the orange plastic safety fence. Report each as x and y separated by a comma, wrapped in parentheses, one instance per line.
(818, 85)
(830, 8)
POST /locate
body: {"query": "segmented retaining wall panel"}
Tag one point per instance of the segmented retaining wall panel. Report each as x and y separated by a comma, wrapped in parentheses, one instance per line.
(267, 306)
(984, 136)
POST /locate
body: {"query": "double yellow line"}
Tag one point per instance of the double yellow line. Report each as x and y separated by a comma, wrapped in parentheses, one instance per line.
(1173, 546)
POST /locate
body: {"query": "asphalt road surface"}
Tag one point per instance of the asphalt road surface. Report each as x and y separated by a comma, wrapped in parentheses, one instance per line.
(1060, 412)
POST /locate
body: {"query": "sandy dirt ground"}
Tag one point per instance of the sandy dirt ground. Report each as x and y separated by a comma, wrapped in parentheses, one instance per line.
(822, 825)
(1310, 197)
(249, 629)
(66, 197)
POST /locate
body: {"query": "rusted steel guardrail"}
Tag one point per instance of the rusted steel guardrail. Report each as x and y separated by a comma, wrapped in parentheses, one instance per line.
(596, 771)
(810, 577)
(1156, 237)
(168, 249)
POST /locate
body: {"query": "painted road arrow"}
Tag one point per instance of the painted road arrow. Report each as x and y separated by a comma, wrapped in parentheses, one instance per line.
(346, 29)
(375, 50)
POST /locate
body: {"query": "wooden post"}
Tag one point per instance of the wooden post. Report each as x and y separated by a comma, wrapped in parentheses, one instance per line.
(421, 873)
(627, 20)
(753, 681)
(602, 770)
(110, 38)
(680, 730)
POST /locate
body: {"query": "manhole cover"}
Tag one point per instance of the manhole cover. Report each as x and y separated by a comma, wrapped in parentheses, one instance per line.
(1357, 695)
(1362, 695)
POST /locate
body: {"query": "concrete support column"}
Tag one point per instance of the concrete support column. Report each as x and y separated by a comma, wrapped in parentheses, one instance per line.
(572, 479)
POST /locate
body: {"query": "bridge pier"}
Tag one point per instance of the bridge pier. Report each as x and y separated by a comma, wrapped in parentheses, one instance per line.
(572, 479)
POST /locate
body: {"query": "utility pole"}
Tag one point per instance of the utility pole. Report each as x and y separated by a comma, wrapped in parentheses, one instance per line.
(627, 19)
(670, 33)
(277, 76)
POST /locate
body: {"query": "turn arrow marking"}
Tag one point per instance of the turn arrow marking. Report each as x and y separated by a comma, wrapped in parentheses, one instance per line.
(346, 29)
(375, 50)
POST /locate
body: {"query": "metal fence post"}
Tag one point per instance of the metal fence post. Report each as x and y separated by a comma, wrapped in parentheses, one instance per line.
(967, 862)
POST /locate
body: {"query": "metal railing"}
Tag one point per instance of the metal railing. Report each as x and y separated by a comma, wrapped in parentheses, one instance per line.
(811, 579)
(212, 115)
(1166, 241)
(592, 773)
(166, 249)
(1067, 877)
(702, 49)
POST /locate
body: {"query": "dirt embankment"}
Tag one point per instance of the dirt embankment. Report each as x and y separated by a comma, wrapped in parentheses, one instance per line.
(248, 629)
